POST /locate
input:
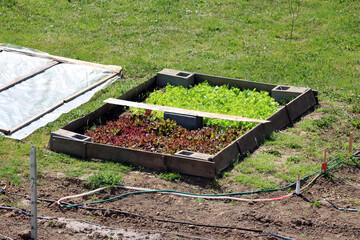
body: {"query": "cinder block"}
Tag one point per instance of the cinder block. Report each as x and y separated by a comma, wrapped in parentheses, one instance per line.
(284, 93)
(174, 77)
(187, 121)
(196, 155)
(68, 134)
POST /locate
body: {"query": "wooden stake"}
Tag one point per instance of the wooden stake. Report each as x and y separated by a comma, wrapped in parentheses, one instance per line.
(351, 142)
(324, 165)
(7, 184)
(33, 193)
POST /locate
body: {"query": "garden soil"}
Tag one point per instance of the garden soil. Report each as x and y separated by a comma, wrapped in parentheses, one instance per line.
(164, 216)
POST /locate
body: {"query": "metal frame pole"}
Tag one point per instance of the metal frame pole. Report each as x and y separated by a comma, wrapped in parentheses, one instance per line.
(33, 176)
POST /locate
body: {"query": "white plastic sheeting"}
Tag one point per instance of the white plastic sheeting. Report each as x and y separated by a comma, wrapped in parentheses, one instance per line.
(14, 65)
(52, 88)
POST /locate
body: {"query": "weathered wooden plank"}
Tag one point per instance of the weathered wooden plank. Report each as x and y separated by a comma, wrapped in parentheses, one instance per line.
(181, 111)
(226, 156)
(250, 140)
(140, 90)
(85, 149)
(301, 104)
(68, 146)
(190, 166)
(243, 84)
(116, 69)
(27, 76)
(118, 154)
(146, 159)
(279, 120)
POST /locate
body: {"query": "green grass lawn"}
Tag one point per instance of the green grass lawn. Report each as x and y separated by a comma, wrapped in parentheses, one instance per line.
(251, 40)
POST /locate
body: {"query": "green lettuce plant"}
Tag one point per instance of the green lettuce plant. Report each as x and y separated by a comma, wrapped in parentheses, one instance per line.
(217, 99)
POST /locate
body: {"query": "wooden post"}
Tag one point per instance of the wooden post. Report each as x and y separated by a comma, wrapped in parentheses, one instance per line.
(33, 192)
(351, 142)
(324, 165)
(7, 184)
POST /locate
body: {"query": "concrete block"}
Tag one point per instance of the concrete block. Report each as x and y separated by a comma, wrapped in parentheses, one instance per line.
(68, 134)
(285, 93)
(196, 155)
(174, 77)
(187, 121)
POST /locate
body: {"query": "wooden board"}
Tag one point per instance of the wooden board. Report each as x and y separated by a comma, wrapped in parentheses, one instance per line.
(226, 156)
(301, 104)
(152, 160)
(243, 84)
(190, 166)
(181, 111)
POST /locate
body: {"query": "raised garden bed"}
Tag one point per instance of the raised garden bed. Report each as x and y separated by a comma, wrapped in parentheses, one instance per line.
(145, 141)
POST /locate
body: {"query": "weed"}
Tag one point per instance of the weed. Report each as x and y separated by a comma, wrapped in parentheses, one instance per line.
(353, 201)
(200, 200)
(293, 159)
(294, 11)
(307, 125)
(274, 152)
(170, 176)
(325, 121)
(315, 203)
(354, 161)
(356, 123)
(102, 179)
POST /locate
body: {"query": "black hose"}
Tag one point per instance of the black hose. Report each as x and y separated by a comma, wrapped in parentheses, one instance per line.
(276, 235)
(340, 208)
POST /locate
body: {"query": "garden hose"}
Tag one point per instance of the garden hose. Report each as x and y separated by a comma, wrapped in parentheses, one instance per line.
(216, 196)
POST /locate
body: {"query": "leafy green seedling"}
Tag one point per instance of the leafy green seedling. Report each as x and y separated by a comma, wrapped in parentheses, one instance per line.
(315, 203)
(109, 179)
(325, 121)
(293, 159)
(170, 176)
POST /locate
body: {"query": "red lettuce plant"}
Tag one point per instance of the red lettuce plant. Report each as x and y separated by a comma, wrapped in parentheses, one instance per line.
(162, 136)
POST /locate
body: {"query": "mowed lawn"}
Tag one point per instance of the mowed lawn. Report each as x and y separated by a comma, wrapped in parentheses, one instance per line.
(309, 43)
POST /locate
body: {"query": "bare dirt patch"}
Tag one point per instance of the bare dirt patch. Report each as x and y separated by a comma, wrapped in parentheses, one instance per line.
(157, 216)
